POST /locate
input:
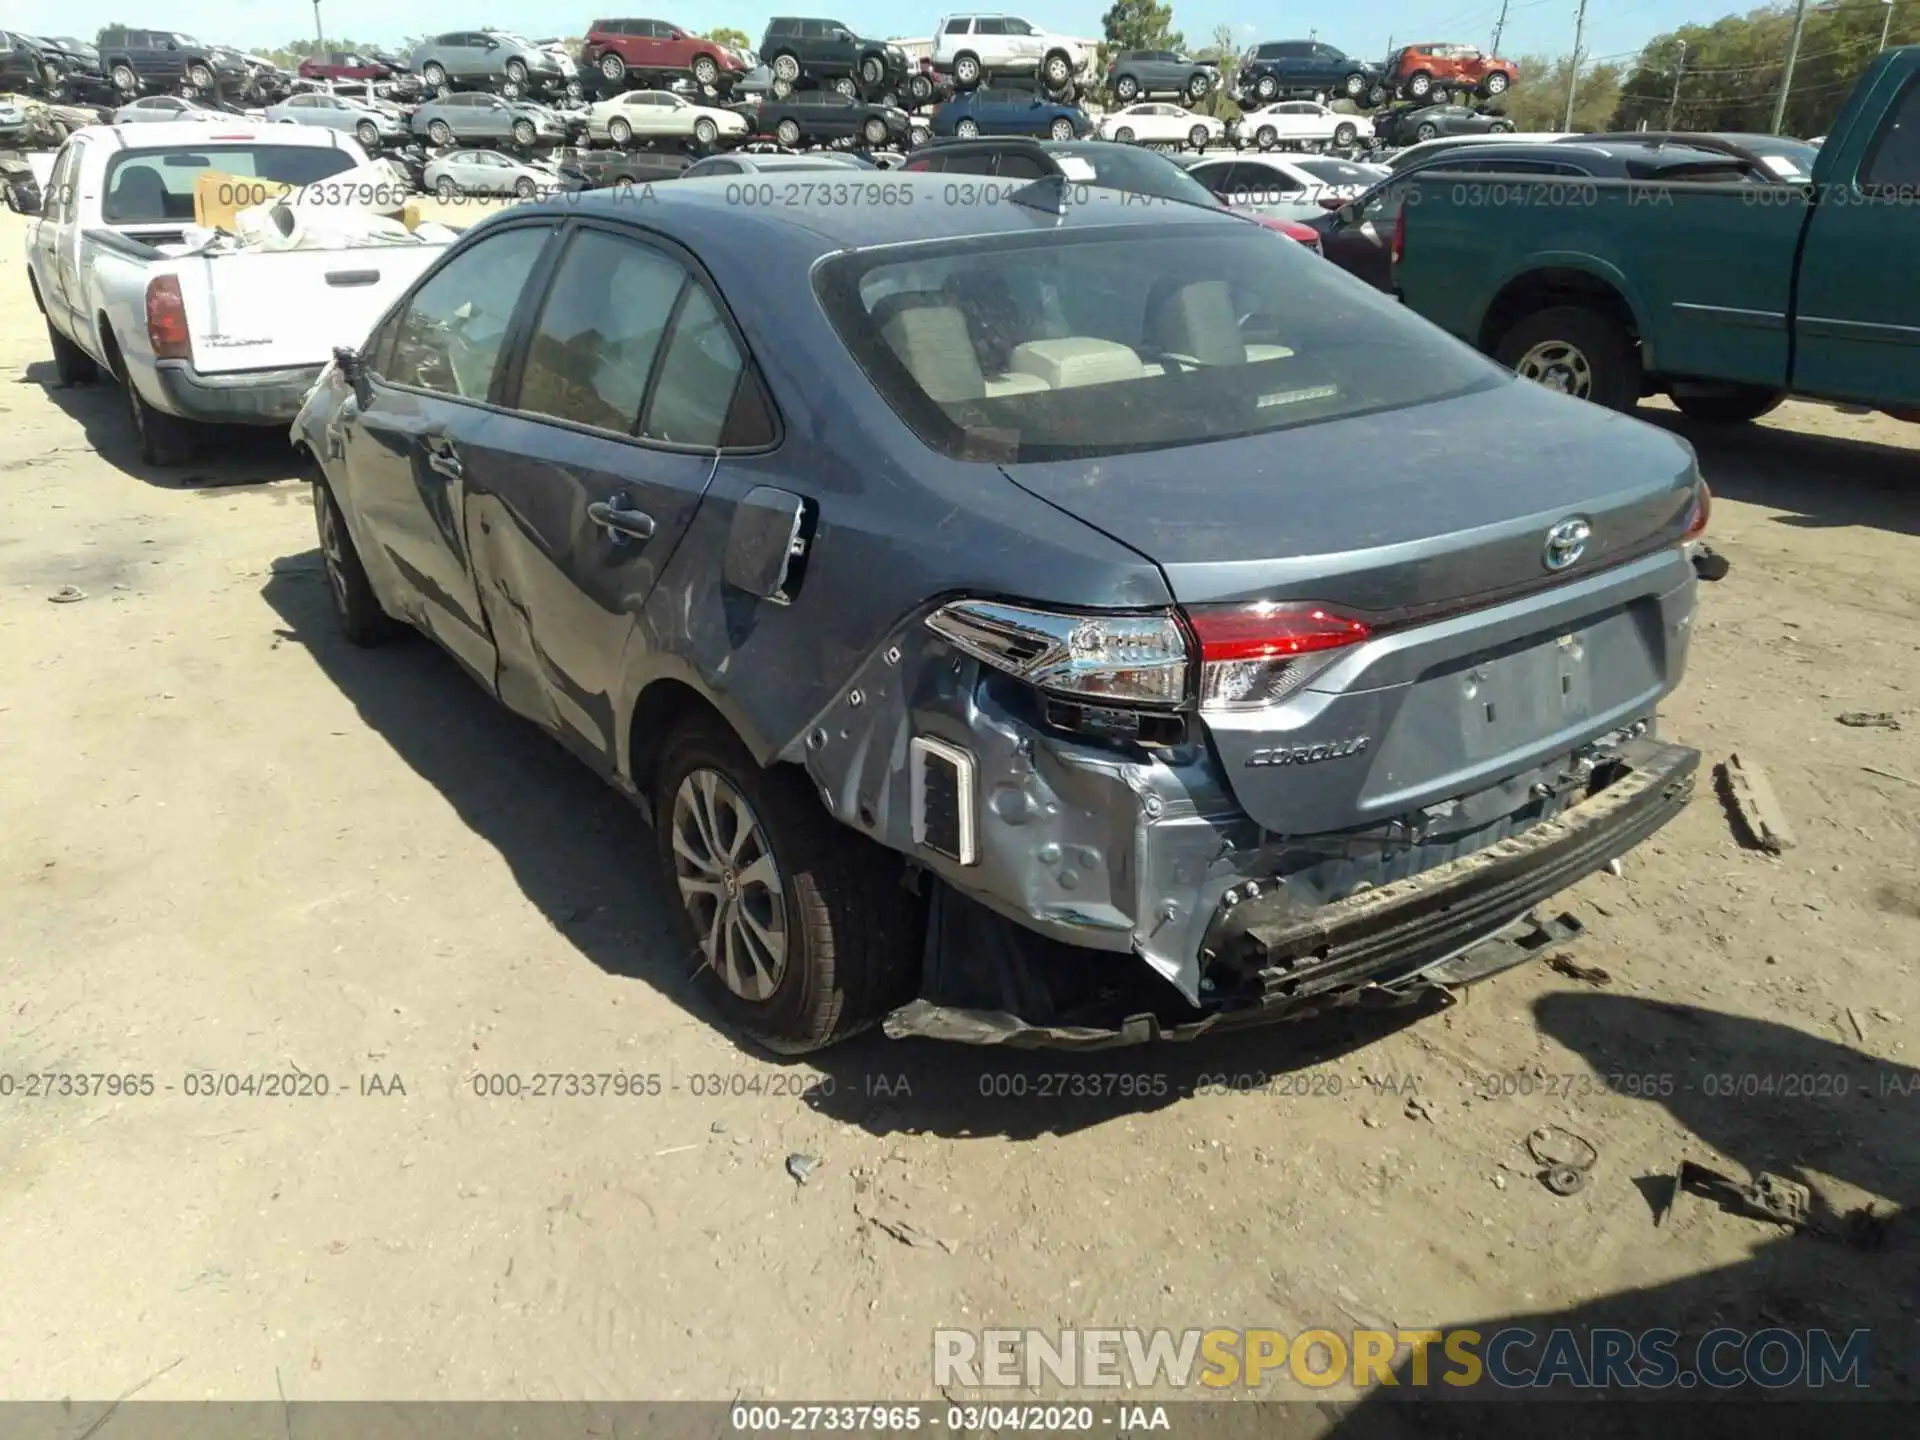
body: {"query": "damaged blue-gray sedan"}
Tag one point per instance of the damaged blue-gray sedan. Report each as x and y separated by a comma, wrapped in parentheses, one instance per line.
(996, 596)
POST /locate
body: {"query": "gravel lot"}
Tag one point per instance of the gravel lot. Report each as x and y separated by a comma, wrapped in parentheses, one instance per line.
(235, 844)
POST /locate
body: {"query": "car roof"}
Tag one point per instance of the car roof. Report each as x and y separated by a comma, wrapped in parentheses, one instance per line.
(694, 210)
(184, 134)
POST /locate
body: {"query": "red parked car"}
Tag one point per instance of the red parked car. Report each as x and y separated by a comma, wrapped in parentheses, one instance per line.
(340, 65)
(655, 47)
(1419, 70)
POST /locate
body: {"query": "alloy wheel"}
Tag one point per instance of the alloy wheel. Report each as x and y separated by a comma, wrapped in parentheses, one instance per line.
(332, 552)
(1561, 367)
(730, 884)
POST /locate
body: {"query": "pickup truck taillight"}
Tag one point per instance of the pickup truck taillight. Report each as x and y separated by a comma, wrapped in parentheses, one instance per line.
(1398, 249)
(167, 320)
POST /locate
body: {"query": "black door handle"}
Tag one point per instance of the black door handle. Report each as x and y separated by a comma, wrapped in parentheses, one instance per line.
(446, 463)
(620, 523)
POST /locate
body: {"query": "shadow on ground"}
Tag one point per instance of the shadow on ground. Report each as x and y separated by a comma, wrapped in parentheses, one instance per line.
(1818, 480)
(230, 456)
(576, 849)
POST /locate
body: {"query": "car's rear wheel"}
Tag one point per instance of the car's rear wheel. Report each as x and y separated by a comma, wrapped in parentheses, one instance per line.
(1419, 85)
(71, 364)
(1061, 129)
(516, 72)
(919, 135)
(966, 71)
(1426, 130)
(124, 80)
(434, 73)
(1500, 127)
(445, 189)
(800, 930)
(787, 132)
(1377, 95)
(1197, 88)
(613, 68)
(367, 133)
(705, 131)
(966, 129)
(440, 132)
(875, 132)
(1345, 133)
(1124, 135)
(1126, 88)
(164, 439)
(873, 70)
(1497, 83)
(199, 76)
(1731, 405)
(1354, 86)
(524, 133)
(1057, 70)
(786, 68)
(919, 89)
(356, 609)
(1266, 87)
(524, 188)
(619, 131)
(705, 70)
(1266, 137)
(846, 87)
(1575, 351)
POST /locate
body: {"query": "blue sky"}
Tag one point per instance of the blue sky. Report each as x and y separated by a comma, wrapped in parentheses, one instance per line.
(1362, 27)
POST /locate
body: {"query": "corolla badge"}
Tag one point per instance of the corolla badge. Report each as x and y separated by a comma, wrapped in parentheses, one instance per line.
(1566, 543)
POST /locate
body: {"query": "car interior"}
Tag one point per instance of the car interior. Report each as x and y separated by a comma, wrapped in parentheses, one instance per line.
(158, 187)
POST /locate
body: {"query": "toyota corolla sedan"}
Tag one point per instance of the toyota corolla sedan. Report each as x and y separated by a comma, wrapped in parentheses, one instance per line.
(958, 587)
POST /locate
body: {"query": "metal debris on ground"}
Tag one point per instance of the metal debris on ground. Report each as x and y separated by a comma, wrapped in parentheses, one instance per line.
(1563, 964)
(1890, 775)
(1765, 1197)
(67, 594)
(1749, 792)
(1566, 1159)
(1868, 720)
(1419, 1109)
(801, 1167)
(901, 1230)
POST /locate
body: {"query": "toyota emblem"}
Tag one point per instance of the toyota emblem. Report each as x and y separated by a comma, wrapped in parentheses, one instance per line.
(1566, 543)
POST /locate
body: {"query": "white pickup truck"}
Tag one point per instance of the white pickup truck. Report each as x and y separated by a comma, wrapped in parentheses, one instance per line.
(228, 337)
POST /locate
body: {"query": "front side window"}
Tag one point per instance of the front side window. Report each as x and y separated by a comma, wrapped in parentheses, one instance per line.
(1894, 159)
(1033, 348)
(450, 334)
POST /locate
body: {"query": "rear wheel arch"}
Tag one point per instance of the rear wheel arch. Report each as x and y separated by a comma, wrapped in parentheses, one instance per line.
(1548, 288)
(33, 286)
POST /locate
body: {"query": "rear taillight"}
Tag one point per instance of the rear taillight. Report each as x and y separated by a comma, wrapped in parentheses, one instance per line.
(1109, 659)
(1399, 247)
(1701, 513)
(167, 320)
(1253, 656)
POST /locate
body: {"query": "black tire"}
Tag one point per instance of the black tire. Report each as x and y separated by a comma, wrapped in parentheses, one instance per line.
(787, 132)
(1419, 85)
(785, 67)
(847, 88)
(919, 88)
(445, 189)
(873, 70)
(966, 128)
(1345, 133)
(918, 136)
(1266, 88)
(524, 188)
(781, 88)
(612, 68)
(1197, 88)
(512, 89)
(355, 606)
(1500, 127)
(1126, 89)
(434, 73)
(1733, 406)
(199, 76)
(1056, 70)
(439, 132)
(517, 72)
(1266, 137)
(1575, 341)
(705, 132)
(524, 132)
(368, 134)
(619, 131)
(1124, 135)
(1354, 86)
(966, 71)
(1426, 130)
(1060, 129)
(1197, 137)
(706, 71)
(847, 926)
(164, 439)
(125, 80)
(874, 132)
(1497, 84)
(71, 364)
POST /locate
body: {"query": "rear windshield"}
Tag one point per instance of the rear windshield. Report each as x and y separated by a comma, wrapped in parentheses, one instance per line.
(1129, 168)
(151, 186)
(1052, 345)
(1339, 172)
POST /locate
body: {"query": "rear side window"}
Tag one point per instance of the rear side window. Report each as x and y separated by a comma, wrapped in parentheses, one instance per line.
(697, 379)
(1895, 157)
(1061, 345)
(449, 335)
(151, 186)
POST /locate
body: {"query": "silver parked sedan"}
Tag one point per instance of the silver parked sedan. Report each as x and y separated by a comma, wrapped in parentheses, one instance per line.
(150, 108)
(370, 126)
(487, 172)
(475, 115)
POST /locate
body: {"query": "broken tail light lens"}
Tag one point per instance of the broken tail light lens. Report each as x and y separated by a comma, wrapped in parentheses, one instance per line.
(1116, 659)
(1701, 513)
(1253, 656)
(167, 320)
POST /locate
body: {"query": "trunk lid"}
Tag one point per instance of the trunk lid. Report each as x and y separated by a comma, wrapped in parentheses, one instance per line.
(1430, 525)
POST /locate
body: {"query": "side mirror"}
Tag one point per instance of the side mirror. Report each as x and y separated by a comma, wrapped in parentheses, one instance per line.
(1347, 212)
(346, 360)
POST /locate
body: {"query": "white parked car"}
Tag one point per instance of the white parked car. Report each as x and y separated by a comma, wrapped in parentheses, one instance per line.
(660, 115)
(1302, 123)
(1286, 187)
(1154, 122)
(969, 47)
(488, 172)
(165, 108)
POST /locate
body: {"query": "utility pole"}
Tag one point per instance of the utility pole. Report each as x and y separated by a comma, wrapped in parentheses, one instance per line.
(1886, 24)
(1793, 54)
(318, 34)
(1498, 26)
(1679, 70)
(1573, 68)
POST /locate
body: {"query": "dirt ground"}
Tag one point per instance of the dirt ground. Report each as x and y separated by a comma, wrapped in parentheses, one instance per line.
(232, 843)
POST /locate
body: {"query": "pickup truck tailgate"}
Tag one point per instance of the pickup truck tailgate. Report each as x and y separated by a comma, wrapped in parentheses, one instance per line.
(286, 308)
